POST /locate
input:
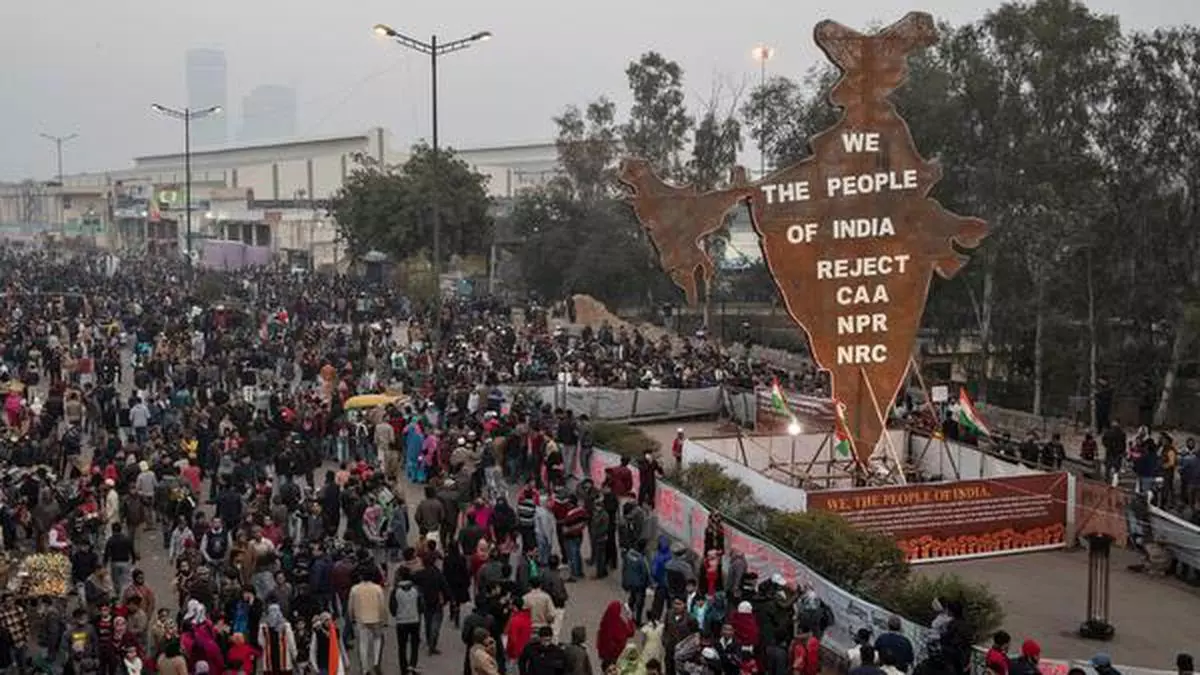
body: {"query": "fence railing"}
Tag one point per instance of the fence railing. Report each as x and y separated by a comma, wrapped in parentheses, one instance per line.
(606, 403)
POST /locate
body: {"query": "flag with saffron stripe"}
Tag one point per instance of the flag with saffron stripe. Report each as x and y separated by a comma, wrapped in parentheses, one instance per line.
(843, 443)
(336, 664)
(778, 400)
(969, 417)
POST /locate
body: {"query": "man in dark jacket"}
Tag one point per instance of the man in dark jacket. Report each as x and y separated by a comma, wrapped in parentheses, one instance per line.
(635, 578)
(543, 656)
(435, 593)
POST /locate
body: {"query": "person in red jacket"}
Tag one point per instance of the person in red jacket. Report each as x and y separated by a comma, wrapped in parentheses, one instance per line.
(519, 631)
(805, 653)
(616, 628)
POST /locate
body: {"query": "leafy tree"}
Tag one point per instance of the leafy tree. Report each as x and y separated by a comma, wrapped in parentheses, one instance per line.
(1056, 60)
(717, 144)
(784, 114)
(1154, 110)
(587, 145)
(389, 208)
(658, 125)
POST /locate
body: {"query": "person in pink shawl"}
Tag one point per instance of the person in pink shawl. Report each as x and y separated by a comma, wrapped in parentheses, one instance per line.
(13, 403)
(198, 639)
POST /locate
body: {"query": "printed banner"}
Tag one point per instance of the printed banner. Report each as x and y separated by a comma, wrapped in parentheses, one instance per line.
(964, 519)
(812, 412)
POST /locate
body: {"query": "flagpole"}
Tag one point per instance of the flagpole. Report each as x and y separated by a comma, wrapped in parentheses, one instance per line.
(883, 422)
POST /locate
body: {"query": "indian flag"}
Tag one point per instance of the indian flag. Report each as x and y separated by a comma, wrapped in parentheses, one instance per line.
(969, 417)
(843, 443)
(336, 665)
(778, 400)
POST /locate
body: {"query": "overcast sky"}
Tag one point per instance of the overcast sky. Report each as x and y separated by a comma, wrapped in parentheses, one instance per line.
(93, 68)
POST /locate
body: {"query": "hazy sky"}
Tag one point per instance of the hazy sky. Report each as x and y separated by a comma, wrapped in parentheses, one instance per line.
(93, 68)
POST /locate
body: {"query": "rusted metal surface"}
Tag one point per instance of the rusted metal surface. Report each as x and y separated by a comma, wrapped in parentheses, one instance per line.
(679, 218)
(849, 235)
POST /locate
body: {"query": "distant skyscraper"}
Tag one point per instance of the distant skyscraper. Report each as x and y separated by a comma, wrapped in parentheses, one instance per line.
(268, 114)
(206, 86)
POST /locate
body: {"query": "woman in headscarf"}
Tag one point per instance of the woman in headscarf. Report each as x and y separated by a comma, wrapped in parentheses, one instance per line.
(278, 643)
(198, 639)
(745, 626)
(616, 627)
(630, 662)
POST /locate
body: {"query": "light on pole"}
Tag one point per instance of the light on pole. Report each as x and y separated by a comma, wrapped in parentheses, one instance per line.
(762, 54)
(433, 49)
(187, 115)
(58, 143)
(793, 429)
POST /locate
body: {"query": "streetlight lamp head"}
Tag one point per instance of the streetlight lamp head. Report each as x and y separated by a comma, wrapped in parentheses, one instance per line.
(482, 36)
(384, 30)
(216, 110)
(793, 428)
(763, 53)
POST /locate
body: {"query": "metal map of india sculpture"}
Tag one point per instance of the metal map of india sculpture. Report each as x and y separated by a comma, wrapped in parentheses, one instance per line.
(849, 235)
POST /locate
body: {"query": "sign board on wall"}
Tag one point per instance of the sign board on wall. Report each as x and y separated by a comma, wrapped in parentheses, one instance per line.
(964, 519)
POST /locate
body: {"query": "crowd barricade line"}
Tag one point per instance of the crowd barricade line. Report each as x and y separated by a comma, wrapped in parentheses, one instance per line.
(608, 403)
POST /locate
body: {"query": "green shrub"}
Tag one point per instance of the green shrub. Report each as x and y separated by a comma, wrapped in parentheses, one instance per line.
(865, 563)
(708, 482)
(623, 439)
(914, 600)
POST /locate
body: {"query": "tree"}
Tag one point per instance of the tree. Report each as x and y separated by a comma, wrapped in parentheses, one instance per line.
(784, 114)
(1159, 94)
(389, 208)
(1056, 60)
(548, 220)
(587, 148)
(658, 125)
(717, 144)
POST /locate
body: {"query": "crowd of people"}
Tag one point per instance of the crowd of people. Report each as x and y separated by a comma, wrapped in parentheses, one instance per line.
(215, 412)
(218, 416)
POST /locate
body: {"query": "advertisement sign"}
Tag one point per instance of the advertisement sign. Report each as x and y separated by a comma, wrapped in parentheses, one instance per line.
(964, 519)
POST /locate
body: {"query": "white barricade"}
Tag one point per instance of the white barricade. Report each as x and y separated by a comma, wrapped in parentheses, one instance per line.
(606, 403)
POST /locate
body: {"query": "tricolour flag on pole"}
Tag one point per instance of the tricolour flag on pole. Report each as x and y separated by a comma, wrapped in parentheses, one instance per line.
(778, 400)
(969, 417)
(336, 665)
(843, 443)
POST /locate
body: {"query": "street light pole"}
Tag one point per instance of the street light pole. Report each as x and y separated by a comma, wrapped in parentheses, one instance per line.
(762, 54)
(58, 143)
(187, 115)
(433, 49)
(436, 217)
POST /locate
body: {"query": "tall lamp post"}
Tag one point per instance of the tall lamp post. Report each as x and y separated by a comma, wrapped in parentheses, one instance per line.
(187, 115)
(433, 49)
(58, 143)
(762, 54)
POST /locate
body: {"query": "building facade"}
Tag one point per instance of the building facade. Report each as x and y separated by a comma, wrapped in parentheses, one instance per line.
(207, 80)
(267, 197)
